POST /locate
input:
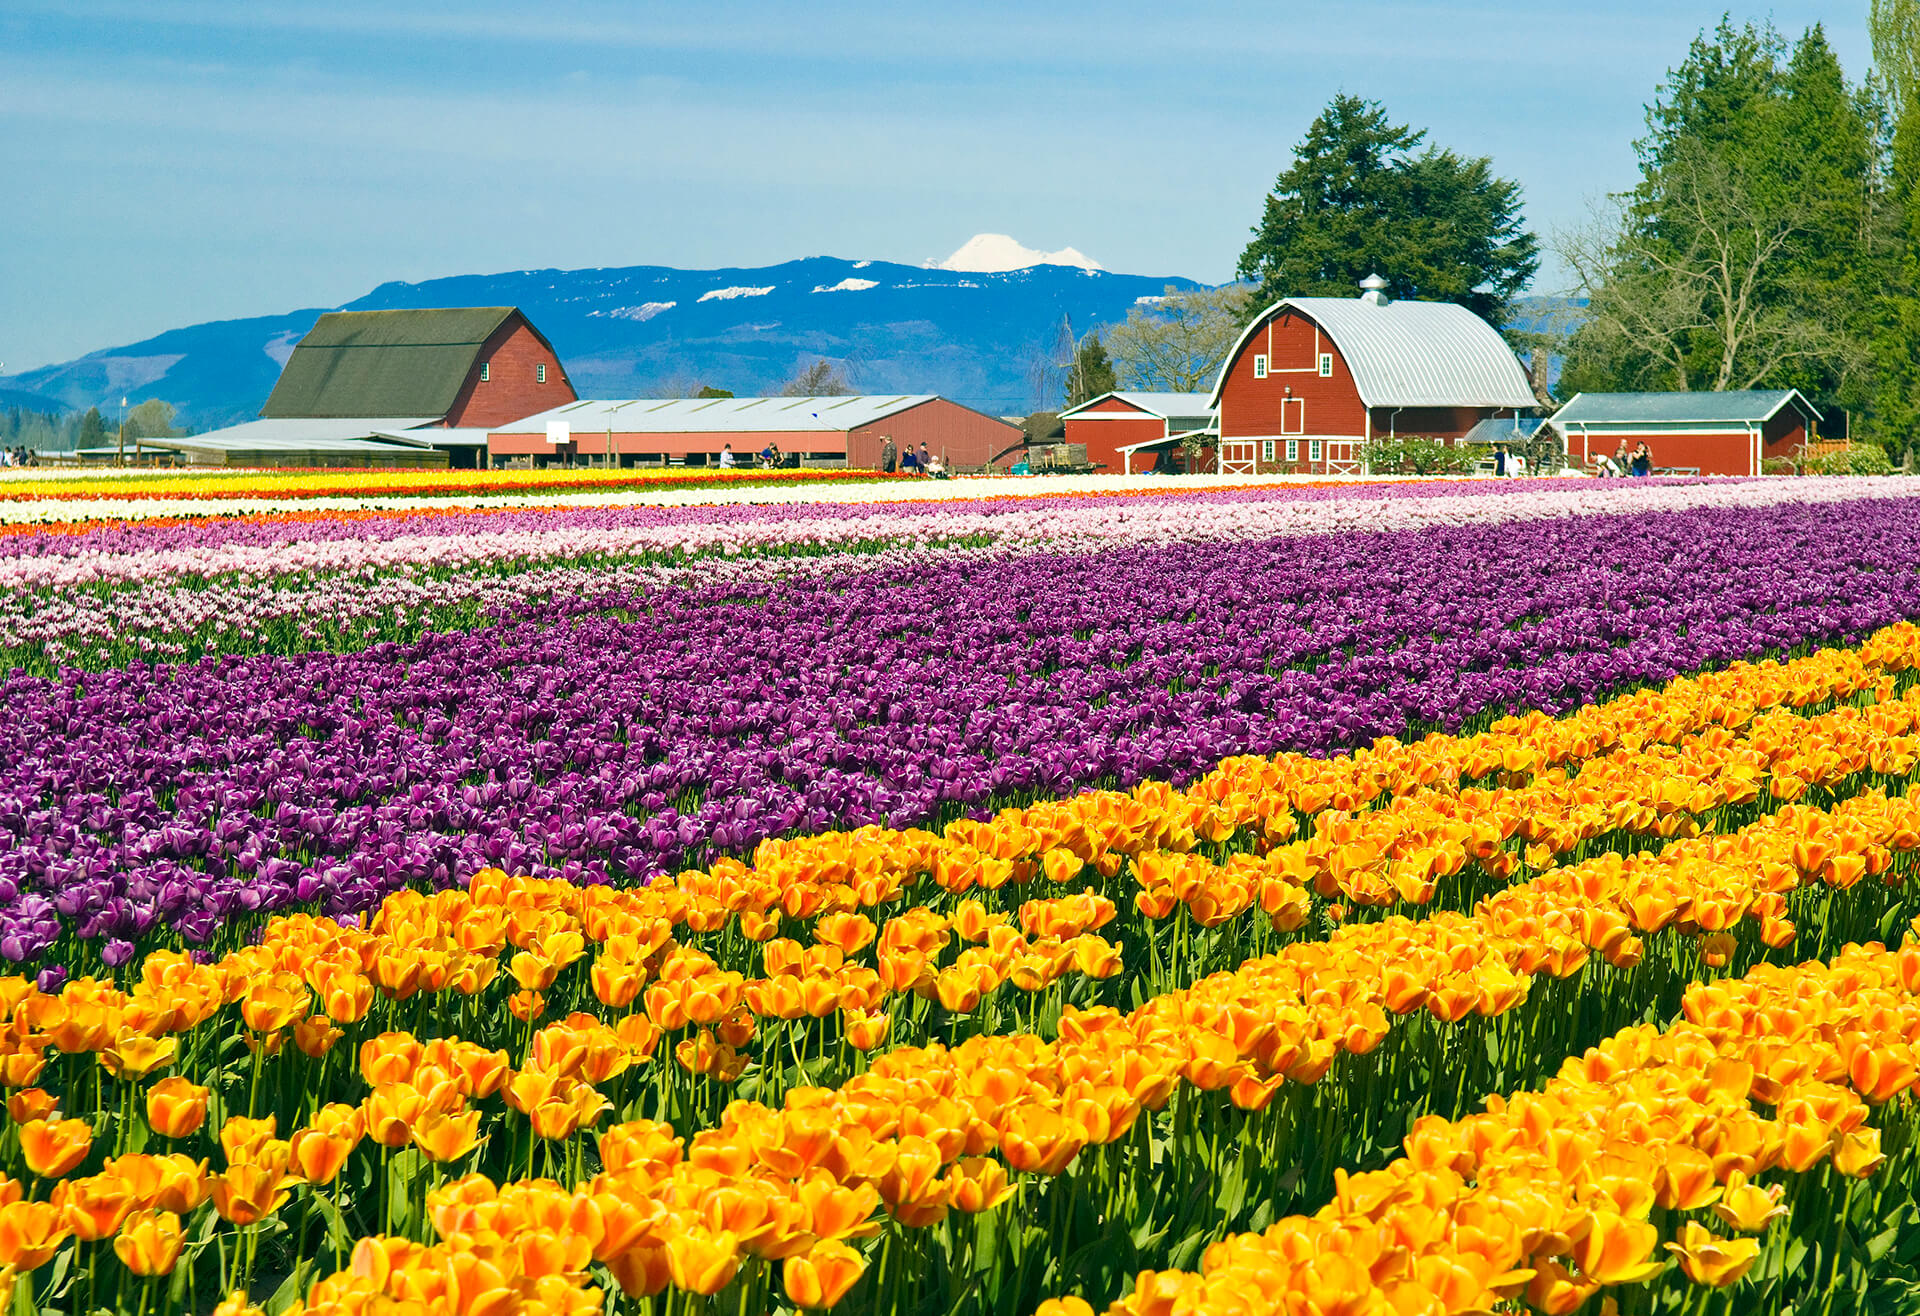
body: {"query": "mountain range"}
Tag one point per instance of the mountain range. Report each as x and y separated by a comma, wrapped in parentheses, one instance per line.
(970, 327)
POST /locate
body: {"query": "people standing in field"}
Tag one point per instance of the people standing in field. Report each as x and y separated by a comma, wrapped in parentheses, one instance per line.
(1621, 460)
(889, 455)
(1499, 461)
(926, 462)
(1642, 460)
(909, 463)
(1517, 466)
(726, 455)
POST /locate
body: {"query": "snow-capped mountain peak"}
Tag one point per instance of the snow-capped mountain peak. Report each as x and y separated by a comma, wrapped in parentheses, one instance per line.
(995, 253)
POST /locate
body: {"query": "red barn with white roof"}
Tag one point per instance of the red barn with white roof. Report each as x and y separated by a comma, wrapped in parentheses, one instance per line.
(1313, 379)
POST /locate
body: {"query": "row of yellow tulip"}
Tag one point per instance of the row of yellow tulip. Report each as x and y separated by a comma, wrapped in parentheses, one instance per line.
(1558, 1194)
(934, 1130)
(919, 1133)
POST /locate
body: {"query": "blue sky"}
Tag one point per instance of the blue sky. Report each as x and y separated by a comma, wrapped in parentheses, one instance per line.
(171, 161)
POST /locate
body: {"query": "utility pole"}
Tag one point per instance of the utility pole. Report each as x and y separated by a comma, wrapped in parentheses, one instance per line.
(122, 455)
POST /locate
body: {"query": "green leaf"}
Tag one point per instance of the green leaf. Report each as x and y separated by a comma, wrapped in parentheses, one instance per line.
(290, 1288)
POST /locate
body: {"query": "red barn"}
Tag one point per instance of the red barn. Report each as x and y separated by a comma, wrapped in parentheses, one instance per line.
(1689, 433)
(1314, 379)
(430, 378)
(821, 431)
(1115, 426)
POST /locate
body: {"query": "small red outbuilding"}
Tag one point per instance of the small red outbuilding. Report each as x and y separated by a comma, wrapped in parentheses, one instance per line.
(1114, 422)
(1730, 433)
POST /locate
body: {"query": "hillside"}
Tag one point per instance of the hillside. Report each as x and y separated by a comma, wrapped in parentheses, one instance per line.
(967, 333)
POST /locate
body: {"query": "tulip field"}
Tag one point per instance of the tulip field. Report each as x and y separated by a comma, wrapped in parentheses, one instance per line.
(1377, 900)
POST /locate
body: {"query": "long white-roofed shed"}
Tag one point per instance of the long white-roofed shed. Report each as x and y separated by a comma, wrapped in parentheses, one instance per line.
(1313, 379)
(821, 431)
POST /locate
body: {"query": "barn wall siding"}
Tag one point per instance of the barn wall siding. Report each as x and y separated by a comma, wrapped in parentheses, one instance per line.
(1291, 342)
(1104, 438)
(512, 389)
(959, 435)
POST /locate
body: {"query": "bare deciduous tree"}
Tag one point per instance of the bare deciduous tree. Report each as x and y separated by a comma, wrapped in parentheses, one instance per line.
(1178, 342)
(819, 379)
(1695, 297)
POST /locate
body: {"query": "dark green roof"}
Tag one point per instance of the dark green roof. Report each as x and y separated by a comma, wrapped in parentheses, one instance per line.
(384, 363)
(1742, 407)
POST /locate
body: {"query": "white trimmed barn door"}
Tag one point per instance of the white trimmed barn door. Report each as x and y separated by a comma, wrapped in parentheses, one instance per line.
(1238, 456)
(1343, 457)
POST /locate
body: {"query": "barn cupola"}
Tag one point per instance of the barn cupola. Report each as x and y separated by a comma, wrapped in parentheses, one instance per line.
(1373, 290)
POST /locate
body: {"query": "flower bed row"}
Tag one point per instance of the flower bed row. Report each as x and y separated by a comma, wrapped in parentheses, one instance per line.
(617, 738)
(327, 483)
(926, 1130)
(1644, 1163)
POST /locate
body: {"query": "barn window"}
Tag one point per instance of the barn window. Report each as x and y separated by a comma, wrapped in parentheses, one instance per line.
(1266, 450)
(486, 371)
(540, 373)
(1313, 450)
(1293, 450)
(1259, 367)
(1326, 365)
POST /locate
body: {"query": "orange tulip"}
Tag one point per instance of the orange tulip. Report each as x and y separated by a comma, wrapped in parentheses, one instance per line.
(1748, 1207)
(700, 1260)
(448, 1137)
(176, 1108)
(150, 1242)
(30, 1233)
(315, 1035)
(32, 1104)
(1714, 1261)
(241, 1137)
(94, 1206)
(978, 1184)
(1616, 1249)
(821, 1276)
(53, 1147)
(865, 1031)
(248, 1194)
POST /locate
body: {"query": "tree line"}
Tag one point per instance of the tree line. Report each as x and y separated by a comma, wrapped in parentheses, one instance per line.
(1772, 239)
(46, 432)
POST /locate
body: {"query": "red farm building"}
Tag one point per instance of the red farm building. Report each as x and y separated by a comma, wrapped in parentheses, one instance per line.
(1314, 379)
(1689, 433)
(393, 388)
(820, 431)
(1125, 431)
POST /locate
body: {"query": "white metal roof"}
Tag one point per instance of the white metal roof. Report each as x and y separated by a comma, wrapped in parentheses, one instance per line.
(1161, 405)
(1739, 407)
(437, 436)
(1410, 354)
(713, 415)
(293, 434)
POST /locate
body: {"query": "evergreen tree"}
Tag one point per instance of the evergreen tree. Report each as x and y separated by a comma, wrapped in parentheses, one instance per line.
(1092, 372)
(1746, 256)
(93, 430)
(1361, 198)
(1895, 415)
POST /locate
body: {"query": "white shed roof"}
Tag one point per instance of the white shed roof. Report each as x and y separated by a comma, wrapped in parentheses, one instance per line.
(1161, 405)
(715, 415)
(298, 434)
(1410, 354)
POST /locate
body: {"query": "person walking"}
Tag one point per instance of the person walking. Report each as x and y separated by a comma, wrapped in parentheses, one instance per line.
(889, 455)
